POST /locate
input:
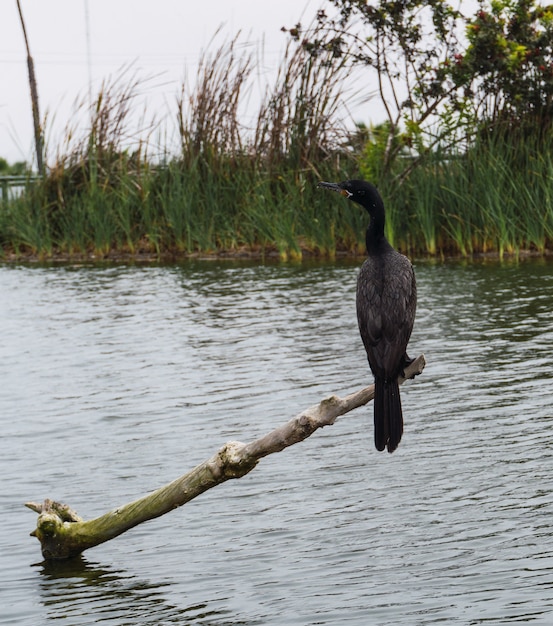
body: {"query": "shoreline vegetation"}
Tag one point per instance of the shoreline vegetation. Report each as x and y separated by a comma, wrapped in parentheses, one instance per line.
(231, 191)
(269, 254)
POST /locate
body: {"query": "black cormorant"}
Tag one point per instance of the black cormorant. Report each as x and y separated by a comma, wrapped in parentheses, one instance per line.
(386, 303)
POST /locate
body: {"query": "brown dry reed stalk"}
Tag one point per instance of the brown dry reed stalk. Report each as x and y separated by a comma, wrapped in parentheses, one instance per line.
(229, 186)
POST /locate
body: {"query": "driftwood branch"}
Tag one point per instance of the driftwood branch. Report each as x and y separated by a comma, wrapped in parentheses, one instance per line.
(63, 534)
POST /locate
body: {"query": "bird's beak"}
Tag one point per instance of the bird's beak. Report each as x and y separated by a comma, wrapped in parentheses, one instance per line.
(335, 187)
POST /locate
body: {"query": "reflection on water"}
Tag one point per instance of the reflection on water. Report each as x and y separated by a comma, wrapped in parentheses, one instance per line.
(116, 380)
(78, 592)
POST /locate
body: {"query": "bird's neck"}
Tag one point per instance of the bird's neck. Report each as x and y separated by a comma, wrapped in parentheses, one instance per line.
(374, 238)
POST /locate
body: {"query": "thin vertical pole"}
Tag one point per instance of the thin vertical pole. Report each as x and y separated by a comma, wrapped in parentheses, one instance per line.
(88, 50)
(39, 144)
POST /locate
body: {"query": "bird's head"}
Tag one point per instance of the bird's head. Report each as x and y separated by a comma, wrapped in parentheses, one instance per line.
(360, 191)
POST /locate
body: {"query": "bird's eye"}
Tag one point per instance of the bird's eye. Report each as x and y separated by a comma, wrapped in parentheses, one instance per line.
(361, 192)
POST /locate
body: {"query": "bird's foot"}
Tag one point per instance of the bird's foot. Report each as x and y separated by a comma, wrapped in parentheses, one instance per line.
(406, 362)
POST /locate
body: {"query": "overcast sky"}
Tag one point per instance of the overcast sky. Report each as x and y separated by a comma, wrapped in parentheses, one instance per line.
(162, 38)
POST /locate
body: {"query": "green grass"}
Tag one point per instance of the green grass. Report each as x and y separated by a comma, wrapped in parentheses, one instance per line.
(492, 199)
(496, 197)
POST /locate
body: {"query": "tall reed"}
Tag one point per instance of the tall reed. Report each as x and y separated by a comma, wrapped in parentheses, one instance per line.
(495, 197)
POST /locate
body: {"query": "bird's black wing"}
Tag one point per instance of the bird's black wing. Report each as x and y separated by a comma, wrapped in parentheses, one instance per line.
(386, 302)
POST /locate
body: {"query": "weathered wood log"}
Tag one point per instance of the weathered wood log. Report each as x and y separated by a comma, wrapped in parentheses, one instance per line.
(63, 534)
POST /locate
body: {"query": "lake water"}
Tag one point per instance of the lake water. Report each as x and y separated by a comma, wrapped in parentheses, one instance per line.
(118, 379)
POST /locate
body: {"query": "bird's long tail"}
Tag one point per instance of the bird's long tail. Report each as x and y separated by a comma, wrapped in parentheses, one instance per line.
(388, 417)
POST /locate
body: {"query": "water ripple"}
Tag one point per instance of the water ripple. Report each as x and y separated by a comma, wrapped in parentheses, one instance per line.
(118, 379)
